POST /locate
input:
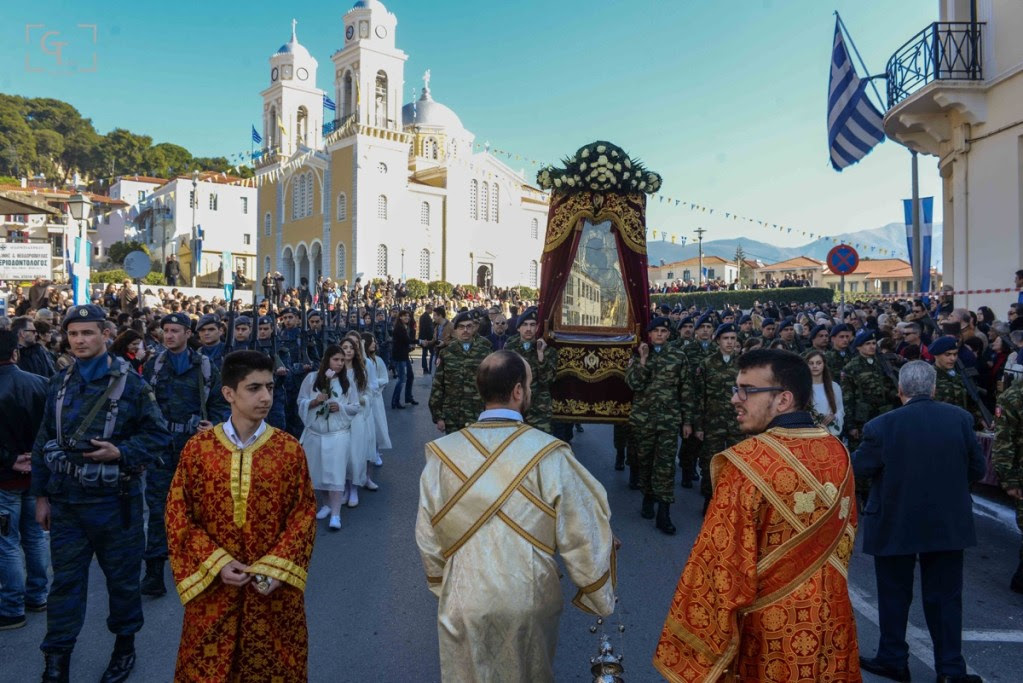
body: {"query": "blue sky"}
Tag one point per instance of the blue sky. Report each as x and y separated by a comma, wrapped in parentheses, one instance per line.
(725, 99)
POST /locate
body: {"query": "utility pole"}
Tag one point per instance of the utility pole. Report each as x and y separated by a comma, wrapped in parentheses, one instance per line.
(195, 238)
(699, 237)
(917, 255)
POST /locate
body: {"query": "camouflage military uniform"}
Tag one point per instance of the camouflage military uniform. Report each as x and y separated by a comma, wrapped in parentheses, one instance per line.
(837, 360)
(1007, 454)
(539, 413)
(950, 389)
(714, 414)
(215, 352)
(662, 393)
(93, 517)
(866, 392)
(689, 450)
(792, 346)
(180, 401)
(453, 397)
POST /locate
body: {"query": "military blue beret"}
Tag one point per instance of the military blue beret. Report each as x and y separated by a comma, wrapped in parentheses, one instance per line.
(787, 322)
(942, 345)
(659, 321)
(176, 319)
(526, 315)
(687, 320)
(678, 309)
(724, 329)
(463, 316)
(704, 320)
(727, 314)
(86, 313)
(841, 327)
(767, 321)
(243, 320)
(745, 319)
(265, 320)
(863, 337)
(208, 319)
(817, 329)
(290, 309)
(664, 308)
(314, 313)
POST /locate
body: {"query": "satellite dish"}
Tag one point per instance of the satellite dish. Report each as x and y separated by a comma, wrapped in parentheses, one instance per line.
(137, 264)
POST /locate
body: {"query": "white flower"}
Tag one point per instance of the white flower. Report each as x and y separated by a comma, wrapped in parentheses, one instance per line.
(330, 374)
(611, 177)
(570, 182)
(618, 167)
(582, 166)
(625, 175)
(585, 153)
(614, 153)
(557, 182)
(642, 184)
(601, 148)
(628, 164)
(602, 160)
(593, 186)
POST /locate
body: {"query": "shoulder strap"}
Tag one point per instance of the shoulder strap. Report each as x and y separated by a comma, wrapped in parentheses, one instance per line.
(205, 387)
(115, 387)
(161, 358)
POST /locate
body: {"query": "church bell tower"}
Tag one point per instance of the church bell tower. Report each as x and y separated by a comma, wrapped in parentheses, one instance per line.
(292, 105)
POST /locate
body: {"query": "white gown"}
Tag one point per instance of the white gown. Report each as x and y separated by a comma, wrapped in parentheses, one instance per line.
(378, 416)
(327, 437)
(362, 432)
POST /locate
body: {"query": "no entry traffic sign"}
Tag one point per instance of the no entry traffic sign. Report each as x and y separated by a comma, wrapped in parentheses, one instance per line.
(843, 260)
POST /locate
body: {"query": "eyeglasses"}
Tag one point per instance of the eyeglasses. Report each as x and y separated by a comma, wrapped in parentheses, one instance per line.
(743, 393)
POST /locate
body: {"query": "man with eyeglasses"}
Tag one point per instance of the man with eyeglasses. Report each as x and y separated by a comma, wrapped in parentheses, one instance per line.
(775, 544)
(454, 400)
(498, 336)
(32, 356)
(911, 337)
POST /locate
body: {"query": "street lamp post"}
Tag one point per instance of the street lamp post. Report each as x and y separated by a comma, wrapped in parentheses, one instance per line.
(699, 238)
(402, 264)
(195, 234)
(80, 207)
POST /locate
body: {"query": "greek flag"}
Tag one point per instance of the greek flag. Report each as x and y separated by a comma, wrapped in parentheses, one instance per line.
(256, 137)
(854, 123)
(328, 103)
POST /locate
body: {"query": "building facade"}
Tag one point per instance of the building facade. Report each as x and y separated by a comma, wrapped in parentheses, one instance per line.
(955, 92)
(386, 187)
(688, 270)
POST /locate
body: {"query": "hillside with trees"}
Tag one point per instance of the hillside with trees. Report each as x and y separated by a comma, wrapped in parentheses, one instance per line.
(48, 137)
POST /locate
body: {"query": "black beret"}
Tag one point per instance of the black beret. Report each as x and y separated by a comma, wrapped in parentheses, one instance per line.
(817, 329)
(463, 316)
(208, 319)
(528, 314)
(86, 313)
(841, 327)
(243, 320)
(942, 345)
(265, 320)
(659, 321)
(863, 337)
(724, 329)
(767, 321)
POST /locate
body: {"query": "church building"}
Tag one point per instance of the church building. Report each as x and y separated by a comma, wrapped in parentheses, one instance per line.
(382, 187)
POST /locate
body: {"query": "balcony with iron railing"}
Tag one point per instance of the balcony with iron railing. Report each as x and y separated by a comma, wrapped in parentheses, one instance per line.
(944, 51)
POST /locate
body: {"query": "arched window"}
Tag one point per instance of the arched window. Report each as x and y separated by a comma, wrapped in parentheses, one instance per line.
(424, 213)
(266, 265)
(382, 207)
(342, 207)
(430, 148)
(341, 257)
(271, 129)
(494, 198)
(534, 229)
(474, 191)
(485, 201)
(424, 264)
(382, 260)
(297, 200)
(381, 100)
(267, 224)
(533, 272)
(301, 126)
(309, 194)
(348, 95)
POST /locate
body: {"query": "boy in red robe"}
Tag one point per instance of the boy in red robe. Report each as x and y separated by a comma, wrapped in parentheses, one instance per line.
(240, 528)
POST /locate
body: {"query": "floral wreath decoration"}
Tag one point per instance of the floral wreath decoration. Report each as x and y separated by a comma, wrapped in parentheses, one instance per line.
(602, 167)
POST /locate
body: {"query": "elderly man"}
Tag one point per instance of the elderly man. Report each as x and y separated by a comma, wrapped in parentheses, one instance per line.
(921, 459)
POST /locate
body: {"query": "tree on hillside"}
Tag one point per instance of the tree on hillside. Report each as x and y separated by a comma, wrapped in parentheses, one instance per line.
(745, 272)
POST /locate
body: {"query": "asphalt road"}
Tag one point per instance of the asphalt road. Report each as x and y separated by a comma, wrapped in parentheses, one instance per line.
(371, 617)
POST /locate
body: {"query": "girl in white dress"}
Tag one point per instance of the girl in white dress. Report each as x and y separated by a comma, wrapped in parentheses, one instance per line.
(327, 402)
(827, 394)
(355, 369)
(378, 416)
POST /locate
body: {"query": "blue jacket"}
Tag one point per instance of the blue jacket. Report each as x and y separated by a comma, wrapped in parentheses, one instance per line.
(921, 459)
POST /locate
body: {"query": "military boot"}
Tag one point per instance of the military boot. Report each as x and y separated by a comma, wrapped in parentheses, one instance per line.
(122, 661)
(648, 507)
(664, 519)
(1016, 583)
(620, 459)
(57, 668)
(152, 582)
(634, 478)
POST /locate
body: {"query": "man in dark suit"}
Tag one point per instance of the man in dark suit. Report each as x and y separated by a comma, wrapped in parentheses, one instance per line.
(425, 337)
(921, 458)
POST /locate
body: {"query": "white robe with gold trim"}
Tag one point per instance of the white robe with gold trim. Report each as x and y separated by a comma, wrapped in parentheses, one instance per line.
(496, 501)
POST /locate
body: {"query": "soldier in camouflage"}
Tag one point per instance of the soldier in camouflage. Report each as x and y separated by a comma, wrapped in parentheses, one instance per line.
(819, 339)
(714, 422)
(949, 388)
(242, 339)
(840, 353)
(1007, 458)
(686, 328)
(659, 378)
(768, 330)
(210, 333)
(189, 398)
(454, 400)
(787, 335)
(867, 392)
(700, 348)
(543, 361)
(745, 329)
(101, 429)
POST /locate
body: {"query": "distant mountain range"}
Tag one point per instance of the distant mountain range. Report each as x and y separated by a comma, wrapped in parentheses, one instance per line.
(891, 237)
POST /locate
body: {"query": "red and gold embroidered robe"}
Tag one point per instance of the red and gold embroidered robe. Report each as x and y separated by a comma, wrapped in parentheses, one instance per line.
(764, 595)
(256, 506)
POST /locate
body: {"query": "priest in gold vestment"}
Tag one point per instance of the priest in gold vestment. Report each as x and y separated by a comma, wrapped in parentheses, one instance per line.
(764, 594)
(240, 527)
(497, 500)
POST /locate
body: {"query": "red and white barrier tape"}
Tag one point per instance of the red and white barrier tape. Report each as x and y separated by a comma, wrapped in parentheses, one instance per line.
(908, 295)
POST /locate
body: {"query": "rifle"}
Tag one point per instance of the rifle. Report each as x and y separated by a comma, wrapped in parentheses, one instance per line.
(886, 368)
(230, 327)
(967, 376)
(304, 336)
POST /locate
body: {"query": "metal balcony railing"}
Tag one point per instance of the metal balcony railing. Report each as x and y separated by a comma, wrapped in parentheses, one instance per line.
(945, 50)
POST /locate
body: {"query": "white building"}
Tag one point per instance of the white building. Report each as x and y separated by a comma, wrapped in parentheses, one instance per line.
(115, 226)
(386, 188)
(955, 91)
(224, 212)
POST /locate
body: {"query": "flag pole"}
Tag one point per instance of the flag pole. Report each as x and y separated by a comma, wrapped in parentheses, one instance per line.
(917, 256)
(863, 64)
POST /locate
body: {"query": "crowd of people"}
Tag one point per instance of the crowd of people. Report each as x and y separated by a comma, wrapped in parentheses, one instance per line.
(174, 371)
(717, 284)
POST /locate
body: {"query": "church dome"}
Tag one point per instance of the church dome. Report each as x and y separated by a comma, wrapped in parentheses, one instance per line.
(293, 47)
(428, 112)
(369, 4)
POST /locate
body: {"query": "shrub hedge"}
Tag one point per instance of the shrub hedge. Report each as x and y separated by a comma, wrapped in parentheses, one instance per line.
(117, 276)
(745, 298)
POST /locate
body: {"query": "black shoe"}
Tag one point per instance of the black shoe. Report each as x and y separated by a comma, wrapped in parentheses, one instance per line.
(11, 623)
(968, 678)
(634, 478)
(664, 519)
(119, 668)
(647, 512)
(35, 606)
(397, 406)
(620, 459)
(152, 582)
(57, 668)
(1015, 584)
(883, 670)
(412, 402)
